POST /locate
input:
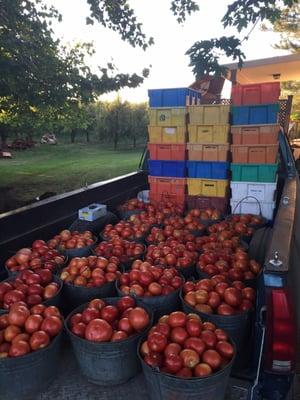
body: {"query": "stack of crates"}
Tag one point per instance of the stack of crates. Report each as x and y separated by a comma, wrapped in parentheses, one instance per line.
(255, 131)
(167, 143)
(208, 152)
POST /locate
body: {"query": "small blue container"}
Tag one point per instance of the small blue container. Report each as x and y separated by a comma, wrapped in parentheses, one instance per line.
(175, 97)
(208, 169)
(167, 168)
(255, 115)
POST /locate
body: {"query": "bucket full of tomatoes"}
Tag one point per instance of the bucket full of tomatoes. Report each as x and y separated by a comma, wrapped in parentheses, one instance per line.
(229, 305)
(183, 357)
(156, 287)
(73, 244)
(104, 334)
(30, 349)
(87, 278)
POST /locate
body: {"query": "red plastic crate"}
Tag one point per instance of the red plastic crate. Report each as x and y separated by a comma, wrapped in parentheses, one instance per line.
(220, 203)
(167, 186)
(254, 153)
(174, 152)
(158, 198)
(258, 93)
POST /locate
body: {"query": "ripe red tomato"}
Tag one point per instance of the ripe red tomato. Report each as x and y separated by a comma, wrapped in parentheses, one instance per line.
(98, 304)
(89, 314)
(221, 335)
(179, 335)
(33, 323)
(209, 326)
(38, 309)
(177, 319)
(172, 348)
(225, 309)
(209, 338)
(185, 373)
(39, 340)
(98, 330)
(249, 294)
(19, 348)
(52, 325)
(125, 302)
(173, 363)
(75, 319)
(195, 343)
(190, 358)
(163, 328)
(233, 296)
(212, 358)
(18, 315)
(139, 318)
(118, 335)
(193, 327)
(202, 370)
(109, 313)
(154, 360)
(225, 349)
(157, 342)
(125, 325)
(79, 329)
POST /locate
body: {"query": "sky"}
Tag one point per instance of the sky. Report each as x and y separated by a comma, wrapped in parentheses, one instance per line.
(169, 65)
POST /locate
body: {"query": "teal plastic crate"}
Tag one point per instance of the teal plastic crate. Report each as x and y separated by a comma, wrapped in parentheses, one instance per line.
(254, 172)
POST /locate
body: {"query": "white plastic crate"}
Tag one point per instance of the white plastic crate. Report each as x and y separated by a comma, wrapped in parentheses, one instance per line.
(92, 212)
(264, 192)
(248, 207)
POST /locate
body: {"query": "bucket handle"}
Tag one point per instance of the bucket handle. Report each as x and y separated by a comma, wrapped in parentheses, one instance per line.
(245, 198)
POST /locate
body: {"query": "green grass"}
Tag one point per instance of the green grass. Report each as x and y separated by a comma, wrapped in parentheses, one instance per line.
(60, 168)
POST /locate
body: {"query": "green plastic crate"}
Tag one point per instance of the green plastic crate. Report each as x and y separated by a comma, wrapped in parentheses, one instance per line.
(254, 172)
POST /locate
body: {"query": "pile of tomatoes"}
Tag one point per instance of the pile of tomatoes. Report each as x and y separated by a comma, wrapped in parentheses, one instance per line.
(184, 346)
(24, 330)
(147, 280)
(30, 287)
(67, 240)
(218, 296)
(101, 322)
(123, 250)
(126, 230)
(91, 271)
(40, 255)
(209, 214)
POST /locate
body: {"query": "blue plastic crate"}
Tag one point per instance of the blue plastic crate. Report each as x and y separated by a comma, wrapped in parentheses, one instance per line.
(208, 169)
(176, 97)
(167, 168)
(255, 115)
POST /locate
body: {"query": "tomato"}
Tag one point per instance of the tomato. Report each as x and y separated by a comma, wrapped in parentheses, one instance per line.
(204, 308)
(174, 363)
(212, 358)
(125, 325)
(188, 287)
(89, 314)
(11, 332)
(118, 335)
(202, 370)
(98, 330)
(79, 329)
(39, 340)
(163, 328)
(18, 315)
(33, 323)
(233, 296)
(21, 336)
(209, 338)
(195, 343)
(52, 325)
(38, 309)
(221, 335)
(51, 311)
(246, 305)
(172, 348)
(209, 326)
(193, 327)
(154, 360)
(225, 349)
(109, 313)
(3, 321)
(75, 319)
(189, 357)
(19, 348)
(220, 288)
(238, 284)
(139, 318)
(145, 348)
(201, 296)
(157, 342)
(205, 284)
(248, 293)
(225, 309)
(125, 302)
(214, 299)
(179, 335)
(177, 319)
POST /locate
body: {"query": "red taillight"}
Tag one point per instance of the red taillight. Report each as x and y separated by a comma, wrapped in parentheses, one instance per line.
(280, 332)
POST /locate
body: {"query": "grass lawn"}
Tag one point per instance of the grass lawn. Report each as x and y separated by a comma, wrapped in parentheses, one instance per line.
(59, 169)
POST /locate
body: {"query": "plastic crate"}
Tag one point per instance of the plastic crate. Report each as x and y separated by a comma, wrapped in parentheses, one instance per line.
(253, 172)
(255, 115)
(246, 207)
(263, 191)
(207, 187)
(174, 152)
(201, 202)
(158, 198)
(258, 93)
(167, 186)
(167, 168)
(211, 114)
(208, 152)
(175, 97)
(261, 134)
(209, 133)
(254, 154)
(169, 117)
(165, 135)
(207, 169)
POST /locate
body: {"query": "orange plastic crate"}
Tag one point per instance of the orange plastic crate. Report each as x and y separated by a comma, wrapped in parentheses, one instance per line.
(261, 134)
(208, 152)
(254, 154)
(258, 93)
(174, 152)
(167, 186)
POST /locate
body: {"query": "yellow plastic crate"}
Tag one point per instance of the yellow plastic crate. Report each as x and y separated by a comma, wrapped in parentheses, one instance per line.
(167, 116)
(210, 114)
(208, 187)
(216, 134)
(173, 135)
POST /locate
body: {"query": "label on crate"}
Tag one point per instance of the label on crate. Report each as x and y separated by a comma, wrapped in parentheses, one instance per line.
(257, 191)
(170, 131)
